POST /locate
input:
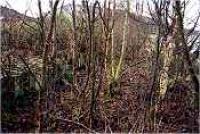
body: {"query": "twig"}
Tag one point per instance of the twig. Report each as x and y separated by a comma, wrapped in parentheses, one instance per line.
(74, 122)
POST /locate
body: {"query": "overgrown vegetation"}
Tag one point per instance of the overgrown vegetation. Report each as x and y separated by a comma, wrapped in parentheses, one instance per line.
(101, 68)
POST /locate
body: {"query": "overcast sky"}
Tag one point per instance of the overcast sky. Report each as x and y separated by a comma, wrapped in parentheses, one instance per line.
(32, 9)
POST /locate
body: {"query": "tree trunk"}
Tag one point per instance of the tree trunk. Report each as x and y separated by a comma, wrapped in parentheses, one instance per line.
(187, 58)
(124, 40)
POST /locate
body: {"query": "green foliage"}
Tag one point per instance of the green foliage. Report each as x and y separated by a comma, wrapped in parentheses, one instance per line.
(19, 97)
(8, 117)
(64, 18)
(63, 23)
(69, 75)
(18, 93)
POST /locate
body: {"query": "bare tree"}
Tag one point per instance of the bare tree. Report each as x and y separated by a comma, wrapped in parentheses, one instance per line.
(48, 46)
(180, 29)
(74, 46)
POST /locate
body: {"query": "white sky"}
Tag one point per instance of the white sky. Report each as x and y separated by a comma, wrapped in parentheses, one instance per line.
(31, 5)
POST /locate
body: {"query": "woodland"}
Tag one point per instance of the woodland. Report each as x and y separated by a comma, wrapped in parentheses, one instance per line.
(101, 66)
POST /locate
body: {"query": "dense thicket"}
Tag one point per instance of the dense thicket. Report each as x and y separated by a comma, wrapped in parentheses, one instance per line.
(101, 68)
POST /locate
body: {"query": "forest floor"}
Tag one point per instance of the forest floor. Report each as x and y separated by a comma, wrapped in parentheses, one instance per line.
(125, 112)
